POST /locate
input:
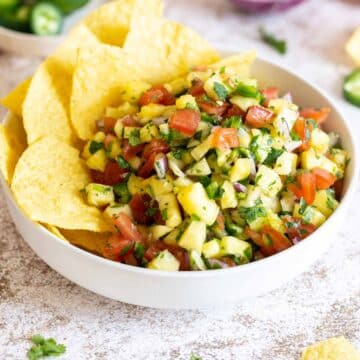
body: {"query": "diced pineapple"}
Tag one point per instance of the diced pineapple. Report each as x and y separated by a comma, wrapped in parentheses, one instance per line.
(194, 200)
(211, 249)
(244, 103)
(149, 132)
(310, 215)
(200, 151)
(171, 238)
(119, 128)
(99, 137)
(113, 211)
(213, 85)
(135, 162)
(271, 202)
(115, 150)
(319, 141)
(339, 157)
(97, 161)
(268, 180)
(129, 131)
(228, 199)
(286, 163)
(258, 223)
(252, 196)
(241, 170)
(325, 202)
(261, 144)
(151, 111)
(86, 151)
(286, 115)
(200, 168)
(275, 222)
(330, 166)
(159, 186)
(231, 245)
(99, 195)
(309, 159)
(287, 202)
(194, 236)
(124, 109)
(158, 231)
(164, 261)
(133, 90)
(186, 101)
(182, 181)
(244, 137)
(196, 262)
(222, 156)
(177, 86)
(135, 185)
(169, 205)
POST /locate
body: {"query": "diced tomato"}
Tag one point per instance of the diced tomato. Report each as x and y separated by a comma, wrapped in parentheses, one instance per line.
(130, 259)
(127, 228)
(211, 107)
(109, 124)
(97, 177)
(114, 174)
(157, 94)
(258, 116)
(228, 261)
(234, 110)
(158, 217)
(278, 240)
(270, 93)
(116, 246)
(197, 88)
(302, 130)
(130, 120)
(109, 139)
(144, 208)
(220, 221)
(296, 229)
(339, 187)
(265, 248)
(323, 178)
(148, 166)
(156, 146)
(185, 121)
(306, 187)
(319, 115)
(128, 151)
(225, 138)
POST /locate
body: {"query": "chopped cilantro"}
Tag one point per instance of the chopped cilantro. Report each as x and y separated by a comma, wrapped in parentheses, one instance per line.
(250, 214)
(233, 121)
(122, 162)
(122, 191)
(44, 347)
(247, 91)
(330, 202)
(134, 138)
(195, 217)
(273, 156)
(126, 249)
(294, 136)
(178, 153)
(151, 211)
(277, 44)
(221, 91)
(95, 146)
(204, 180)
(303, 206)
(214, 191)
(209, 118)
(139, 250)
(164, 214)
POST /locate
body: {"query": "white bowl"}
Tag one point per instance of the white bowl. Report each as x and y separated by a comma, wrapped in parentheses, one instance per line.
(200, 289)
(26, 44)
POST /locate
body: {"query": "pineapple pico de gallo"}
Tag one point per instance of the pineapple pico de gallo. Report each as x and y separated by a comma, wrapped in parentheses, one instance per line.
(209, 172)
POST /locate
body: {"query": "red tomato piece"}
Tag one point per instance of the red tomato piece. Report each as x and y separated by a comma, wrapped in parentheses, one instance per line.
(302, 130)
(295, 190)
(211, 107)
(258, 116)
(148, 166)
(114, 174)
(130, 259)
(225, 138)
(109, 139)
(197, 88)
(323, 178)
(116, 246)
(185, 121)
(319, 115)
(109, 124)
(156, 146)
(234, 110)
(97, 177)
(296, 229)
(338, 187)
(270, 93)
(307, 184)
(154, 249)
(157, 94)
(127, 228)
(278, 240)
(265, 248)
(144, 208)
(130, 120)
(128, 151)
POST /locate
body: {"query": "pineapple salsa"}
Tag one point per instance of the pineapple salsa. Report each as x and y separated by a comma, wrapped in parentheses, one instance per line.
(210, 171)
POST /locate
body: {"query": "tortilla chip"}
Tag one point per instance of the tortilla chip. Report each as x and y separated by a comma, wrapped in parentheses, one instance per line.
(162, 50)
(12, 145)
(353, 46)
(47, 182)
(237, 64)
(14, 100)
(331, 349)
(55, 231)
(111, 21)
(100, 75)
(87, 240)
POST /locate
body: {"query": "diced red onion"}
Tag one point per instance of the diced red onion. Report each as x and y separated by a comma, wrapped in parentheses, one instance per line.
(217, 263)
(161, 165)
(288, 97)
(295, 240)
(159, 120)
(239, 187)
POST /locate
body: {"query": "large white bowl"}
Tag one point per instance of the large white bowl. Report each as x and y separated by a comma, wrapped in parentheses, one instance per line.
(200, 289)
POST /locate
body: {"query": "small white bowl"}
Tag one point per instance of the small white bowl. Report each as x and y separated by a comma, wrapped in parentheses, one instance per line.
(26, 44)
(179, 290)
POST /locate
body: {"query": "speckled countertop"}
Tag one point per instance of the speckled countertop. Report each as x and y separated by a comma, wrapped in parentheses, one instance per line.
(322, 303)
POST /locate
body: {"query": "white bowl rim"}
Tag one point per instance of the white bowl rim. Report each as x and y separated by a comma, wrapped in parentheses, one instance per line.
(220, 272)
(30, 36)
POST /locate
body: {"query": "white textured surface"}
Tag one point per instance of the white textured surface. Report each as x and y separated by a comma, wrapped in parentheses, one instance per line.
(322, 303)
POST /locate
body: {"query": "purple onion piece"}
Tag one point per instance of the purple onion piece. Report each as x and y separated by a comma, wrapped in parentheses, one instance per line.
(159, 120)
(295, 240)
(161, 165)
(215, 263)
(265, 5)
(240, 187)
(288, 97)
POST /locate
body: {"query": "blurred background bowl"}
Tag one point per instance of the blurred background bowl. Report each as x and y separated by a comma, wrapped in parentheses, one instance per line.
(265, 5)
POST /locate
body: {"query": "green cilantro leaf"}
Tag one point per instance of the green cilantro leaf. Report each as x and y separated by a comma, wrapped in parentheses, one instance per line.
(122, 162)
(273, 156)
(95, 146)
(221, 91)
(303, 206)
(134, 138)
(277, 44)
(44, 347)
(250, 214)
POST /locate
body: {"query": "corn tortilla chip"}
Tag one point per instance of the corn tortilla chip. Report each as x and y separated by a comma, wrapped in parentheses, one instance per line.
(100, 75)
(87, 240)
(168, 49)
(55, 231)
(14, 100)
(331, 349)
(353, 46)
(111, 21)
(12, 145)
(47, 182)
